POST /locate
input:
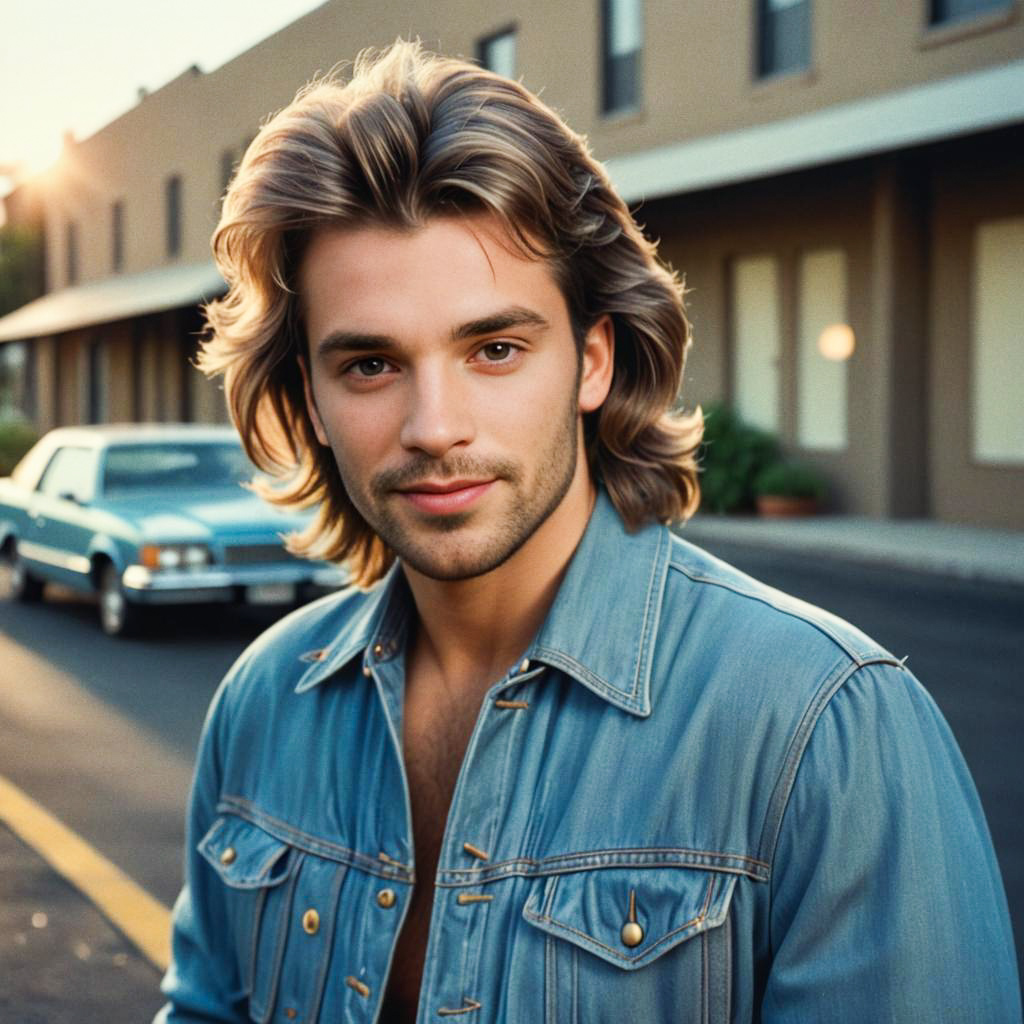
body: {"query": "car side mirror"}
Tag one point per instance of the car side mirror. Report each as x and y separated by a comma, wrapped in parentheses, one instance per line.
(69, 496)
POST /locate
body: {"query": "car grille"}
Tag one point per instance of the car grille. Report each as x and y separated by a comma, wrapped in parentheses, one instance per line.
(256, 554)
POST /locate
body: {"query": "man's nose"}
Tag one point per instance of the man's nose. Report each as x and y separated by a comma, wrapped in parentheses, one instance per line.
(439, 416)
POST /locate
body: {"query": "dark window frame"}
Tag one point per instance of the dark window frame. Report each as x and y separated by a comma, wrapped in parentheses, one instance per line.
(173, 196)
(117, 236)
(71, 254)
(489, 40)
(621, 74)
(947, 13)
(771, 59)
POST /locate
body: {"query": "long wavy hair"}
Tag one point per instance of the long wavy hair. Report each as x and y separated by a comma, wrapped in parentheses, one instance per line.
(412, 136)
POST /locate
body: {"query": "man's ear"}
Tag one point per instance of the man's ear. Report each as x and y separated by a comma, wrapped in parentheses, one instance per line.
(598, 364)
(311, 409)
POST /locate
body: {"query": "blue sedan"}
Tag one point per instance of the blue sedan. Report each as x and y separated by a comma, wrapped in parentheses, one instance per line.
(148, 515)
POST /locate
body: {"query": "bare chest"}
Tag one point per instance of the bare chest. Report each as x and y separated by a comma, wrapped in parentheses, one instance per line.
(436, 734)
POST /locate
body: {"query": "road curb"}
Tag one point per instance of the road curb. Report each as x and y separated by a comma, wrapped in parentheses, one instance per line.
(970, 556)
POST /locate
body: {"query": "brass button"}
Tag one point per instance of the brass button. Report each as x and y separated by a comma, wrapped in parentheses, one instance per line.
(524, 665)
(378, 650)
(228, 856)
(311, 922)
(291, 1014)
(367, 671)
(632, 934)
(386, 898)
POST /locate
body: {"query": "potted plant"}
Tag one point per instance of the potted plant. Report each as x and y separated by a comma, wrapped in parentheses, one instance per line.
(785, 489)
(731, 456)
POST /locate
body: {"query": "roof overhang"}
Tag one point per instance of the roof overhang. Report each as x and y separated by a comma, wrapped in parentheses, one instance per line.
(114, 298)
(959, 105)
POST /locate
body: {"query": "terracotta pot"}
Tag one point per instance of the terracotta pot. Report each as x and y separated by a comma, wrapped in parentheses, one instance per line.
(778, 506)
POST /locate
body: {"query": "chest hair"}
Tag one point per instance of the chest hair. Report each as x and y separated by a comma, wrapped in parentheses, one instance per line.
(436, 732)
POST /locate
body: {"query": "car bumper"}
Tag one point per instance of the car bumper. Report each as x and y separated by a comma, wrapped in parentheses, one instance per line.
(248, 585)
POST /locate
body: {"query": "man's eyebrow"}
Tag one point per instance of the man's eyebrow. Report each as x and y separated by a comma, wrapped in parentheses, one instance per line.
(514, 316)
(493, 323)
(355, 341)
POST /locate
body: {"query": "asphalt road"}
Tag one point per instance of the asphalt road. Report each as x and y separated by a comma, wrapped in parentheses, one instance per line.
(102, 732)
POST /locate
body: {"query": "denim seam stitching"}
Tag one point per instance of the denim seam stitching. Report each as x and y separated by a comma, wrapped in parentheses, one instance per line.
(860, 657)
(581, 861)
(290, 835)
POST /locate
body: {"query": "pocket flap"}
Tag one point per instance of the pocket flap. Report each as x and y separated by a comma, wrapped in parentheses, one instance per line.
(591, 909)
(244, 855)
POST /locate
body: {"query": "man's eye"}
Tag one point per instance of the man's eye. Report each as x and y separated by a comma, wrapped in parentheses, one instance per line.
(497, 351)
(371, 367)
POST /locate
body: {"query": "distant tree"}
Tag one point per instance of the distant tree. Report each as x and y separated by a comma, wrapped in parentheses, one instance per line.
(21, 259)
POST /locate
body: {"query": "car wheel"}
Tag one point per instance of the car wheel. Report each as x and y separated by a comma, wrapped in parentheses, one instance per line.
(22, 585)
(118, 616)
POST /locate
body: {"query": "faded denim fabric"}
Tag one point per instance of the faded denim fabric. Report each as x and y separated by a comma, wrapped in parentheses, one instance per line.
(695, 800)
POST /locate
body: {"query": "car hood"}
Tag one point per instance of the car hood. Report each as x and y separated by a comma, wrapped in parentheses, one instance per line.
(203, 515)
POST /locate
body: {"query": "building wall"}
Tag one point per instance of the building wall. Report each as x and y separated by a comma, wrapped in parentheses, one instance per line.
(697, 71)
(970, 190)
(901, 226)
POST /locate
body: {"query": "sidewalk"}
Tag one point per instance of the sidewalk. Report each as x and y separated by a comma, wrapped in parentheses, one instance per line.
(63, 963)
(944, 549)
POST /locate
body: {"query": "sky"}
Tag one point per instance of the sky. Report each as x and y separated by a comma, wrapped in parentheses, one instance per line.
(75, 65)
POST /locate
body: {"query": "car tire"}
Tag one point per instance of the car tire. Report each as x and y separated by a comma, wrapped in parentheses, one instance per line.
(118, 616)
(23, 586)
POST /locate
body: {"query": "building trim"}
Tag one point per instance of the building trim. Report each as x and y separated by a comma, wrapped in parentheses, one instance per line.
(113, 298)
(950, 107)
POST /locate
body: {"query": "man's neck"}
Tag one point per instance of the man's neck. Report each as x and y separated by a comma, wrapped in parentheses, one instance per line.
(471, 631)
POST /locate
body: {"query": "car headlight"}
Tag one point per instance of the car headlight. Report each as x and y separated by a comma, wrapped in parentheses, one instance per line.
(175, 556)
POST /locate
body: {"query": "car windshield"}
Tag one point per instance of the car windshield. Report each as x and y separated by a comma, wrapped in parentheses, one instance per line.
(174, 466)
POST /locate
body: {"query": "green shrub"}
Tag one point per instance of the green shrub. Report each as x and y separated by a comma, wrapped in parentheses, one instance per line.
(790, 480)
(15, 439)
(732, 454)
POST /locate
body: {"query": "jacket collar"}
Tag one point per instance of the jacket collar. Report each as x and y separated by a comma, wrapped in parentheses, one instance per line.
(600, 629)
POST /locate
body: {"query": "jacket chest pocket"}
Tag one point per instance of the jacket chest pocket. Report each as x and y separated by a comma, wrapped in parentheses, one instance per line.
(643, 944)
(281, 907)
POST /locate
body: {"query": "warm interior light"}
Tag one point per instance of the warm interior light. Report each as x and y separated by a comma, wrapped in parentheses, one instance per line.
(836, 342)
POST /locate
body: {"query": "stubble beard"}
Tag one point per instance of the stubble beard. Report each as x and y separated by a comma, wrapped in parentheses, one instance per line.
(423, 547)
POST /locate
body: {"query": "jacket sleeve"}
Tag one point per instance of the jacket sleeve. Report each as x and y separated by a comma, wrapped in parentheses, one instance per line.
(887, 903)
(202, 982)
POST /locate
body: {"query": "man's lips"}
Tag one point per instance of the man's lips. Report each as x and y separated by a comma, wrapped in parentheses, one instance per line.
(443, 496)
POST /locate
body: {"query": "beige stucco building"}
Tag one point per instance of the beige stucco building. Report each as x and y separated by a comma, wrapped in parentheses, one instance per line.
(807, 164)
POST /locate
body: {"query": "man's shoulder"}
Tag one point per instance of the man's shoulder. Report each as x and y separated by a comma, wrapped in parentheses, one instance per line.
(731, 609)
(305, 638)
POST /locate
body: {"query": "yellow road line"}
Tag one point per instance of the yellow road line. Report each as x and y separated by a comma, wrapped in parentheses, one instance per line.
(144, 920)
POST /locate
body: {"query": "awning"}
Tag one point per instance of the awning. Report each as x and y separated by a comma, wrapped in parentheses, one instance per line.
(972, 102)
(114, 298)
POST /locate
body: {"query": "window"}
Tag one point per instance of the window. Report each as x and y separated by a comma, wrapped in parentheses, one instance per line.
(117, 237)
(174, 216)
(497, 53)
(622, 44)
(783, 36)
(942, 12)
(71, 474)
(997, 352)
(95, 382)
(824, 345)
(756, 337)
(227, 168)
(72, 252)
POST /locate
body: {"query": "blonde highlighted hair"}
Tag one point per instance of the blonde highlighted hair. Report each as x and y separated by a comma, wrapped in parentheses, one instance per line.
(412, 136)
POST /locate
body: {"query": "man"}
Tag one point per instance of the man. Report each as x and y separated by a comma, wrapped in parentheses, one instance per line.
(549, 762)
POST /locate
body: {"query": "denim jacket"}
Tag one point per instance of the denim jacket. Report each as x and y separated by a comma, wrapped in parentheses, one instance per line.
(694, 799)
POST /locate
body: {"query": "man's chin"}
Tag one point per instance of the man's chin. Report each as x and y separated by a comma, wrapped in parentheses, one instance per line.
(455, 565)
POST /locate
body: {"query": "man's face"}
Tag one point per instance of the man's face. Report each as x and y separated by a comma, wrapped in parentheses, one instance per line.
(443, 375)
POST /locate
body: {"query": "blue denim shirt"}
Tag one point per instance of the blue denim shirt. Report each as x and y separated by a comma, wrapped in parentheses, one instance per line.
(694, 799)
